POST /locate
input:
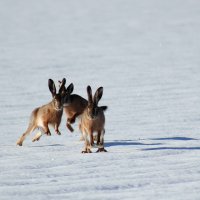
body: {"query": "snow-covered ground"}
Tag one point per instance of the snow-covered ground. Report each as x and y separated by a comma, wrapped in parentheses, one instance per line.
(145, 53)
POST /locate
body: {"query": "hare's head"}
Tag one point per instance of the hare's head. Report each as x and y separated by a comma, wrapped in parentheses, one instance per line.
(66, 93)
(57, 97)
(92, 108)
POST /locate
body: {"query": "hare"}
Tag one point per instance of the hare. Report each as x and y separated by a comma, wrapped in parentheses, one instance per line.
(93, 120)
(50, 113)
(73, 105)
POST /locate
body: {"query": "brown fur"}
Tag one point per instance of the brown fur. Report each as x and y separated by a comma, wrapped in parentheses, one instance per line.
(49, 114)
(74, 109)
(93, 120)
(74, 105)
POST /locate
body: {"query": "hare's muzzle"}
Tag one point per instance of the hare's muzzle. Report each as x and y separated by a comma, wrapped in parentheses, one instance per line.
(57, 102)
(92, 112)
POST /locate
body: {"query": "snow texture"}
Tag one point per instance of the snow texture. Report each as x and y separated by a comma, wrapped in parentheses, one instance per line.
(145, 53)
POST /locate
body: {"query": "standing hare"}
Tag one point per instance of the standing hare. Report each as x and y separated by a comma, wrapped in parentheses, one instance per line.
(93, 120)
(50, 113)
(73, 105)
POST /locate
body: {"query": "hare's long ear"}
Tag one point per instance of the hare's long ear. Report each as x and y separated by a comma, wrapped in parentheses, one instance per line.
(52, 87)
(59, 83)
(98, 95)
(62, 86)
(70, 88)
(89, 92)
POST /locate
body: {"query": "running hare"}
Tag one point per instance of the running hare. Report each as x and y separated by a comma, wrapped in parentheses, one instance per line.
(93, 120)
(50, 113)
(73, 105)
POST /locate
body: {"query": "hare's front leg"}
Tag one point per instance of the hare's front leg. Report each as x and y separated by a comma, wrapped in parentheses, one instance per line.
(69, 125)
(57, 130)
(70, 121)
(98, 137)
(46, 128)
(87, 144)
(91, 138)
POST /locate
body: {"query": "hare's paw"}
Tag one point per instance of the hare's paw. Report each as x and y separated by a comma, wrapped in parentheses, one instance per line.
(58, 132)
(37, 137)
(101, 150)
(19, 142)
(86, 151)
(48, 133)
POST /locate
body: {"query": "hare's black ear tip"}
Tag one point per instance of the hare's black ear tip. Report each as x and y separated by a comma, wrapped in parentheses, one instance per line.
(64, 80)
(100, 89)
(72, 87)
(50, 81)
(88, 87)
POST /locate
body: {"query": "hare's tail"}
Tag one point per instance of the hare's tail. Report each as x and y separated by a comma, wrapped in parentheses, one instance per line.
(104, 108)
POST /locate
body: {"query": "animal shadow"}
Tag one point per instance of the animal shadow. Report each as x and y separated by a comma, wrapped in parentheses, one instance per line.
(49, 145)
(126, 143)
(173, 148)
(175, 138)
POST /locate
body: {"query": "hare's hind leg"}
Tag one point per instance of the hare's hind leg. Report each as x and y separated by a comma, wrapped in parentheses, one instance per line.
(44, 129)
(81, 138)
(30, 129)
(38, 135)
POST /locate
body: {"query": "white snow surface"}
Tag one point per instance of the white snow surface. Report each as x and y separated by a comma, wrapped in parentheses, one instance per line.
(145, 53)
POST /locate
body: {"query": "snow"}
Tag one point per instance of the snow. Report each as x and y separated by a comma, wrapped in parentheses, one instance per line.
(145, 53)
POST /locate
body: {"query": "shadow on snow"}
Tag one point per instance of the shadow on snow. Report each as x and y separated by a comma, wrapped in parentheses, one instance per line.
(127, 143)
(175, 138)
(50, 145)
(171, 148)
